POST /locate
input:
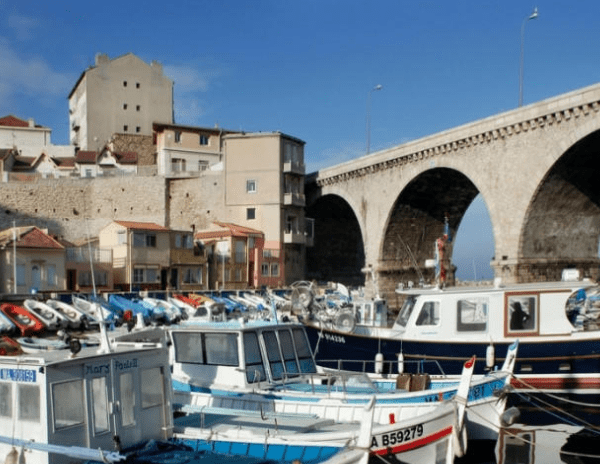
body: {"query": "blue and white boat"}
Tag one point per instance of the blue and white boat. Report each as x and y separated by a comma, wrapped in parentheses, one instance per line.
(87, 405)
(269, 367)
(556, 323)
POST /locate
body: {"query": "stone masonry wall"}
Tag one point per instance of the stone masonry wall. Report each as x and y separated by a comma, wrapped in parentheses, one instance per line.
(62, 205)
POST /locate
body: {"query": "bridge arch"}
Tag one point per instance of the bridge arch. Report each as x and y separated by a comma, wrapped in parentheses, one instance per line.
(563, 217)
(417, 219)
(338, 253)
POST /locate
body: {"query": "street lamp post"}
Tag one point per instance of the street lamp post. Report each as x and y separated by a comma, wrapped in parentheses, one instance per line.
(377, 87)
(533, 15)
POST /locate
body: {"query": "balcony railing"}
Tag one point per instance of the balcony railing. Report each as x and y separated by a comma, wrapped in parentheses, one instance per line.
(294, 199)
(82, 255)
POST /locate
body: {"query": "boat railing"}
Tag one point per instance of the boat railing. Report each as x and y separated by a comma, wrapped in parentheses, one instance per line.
(414, 366)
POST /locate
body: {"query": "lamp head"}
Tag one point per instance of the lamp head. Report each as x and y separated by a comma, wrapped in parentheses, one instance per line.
(378, 87)
(534, 14)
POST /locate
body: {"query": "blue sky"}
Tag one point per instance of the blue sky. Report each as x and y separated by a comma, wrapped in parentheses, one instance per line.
(306, 67)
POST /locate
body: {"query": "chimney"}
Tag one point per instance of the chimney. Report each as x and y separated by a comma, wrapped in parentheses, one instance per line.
(101, 58)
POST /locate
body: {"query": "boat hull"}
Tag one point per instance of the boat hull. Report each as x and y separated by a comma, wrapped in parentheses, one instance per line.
(559, 366)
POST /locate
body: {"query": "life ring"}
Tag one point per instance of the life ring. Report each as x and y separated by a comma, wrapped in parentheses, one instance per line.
(345, 322)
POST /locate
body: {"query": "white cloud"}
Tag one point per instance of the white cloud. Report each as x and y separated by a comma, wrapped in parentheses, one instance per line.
(22, 26)
(30, 76)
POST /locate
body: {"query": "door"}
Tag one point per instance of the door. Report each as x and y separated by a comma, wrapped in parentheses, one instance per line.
(36, 277)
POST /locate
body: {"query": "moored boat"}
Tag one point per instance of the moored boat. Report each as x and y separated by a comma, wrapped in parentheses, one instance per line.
(556, 325)
(265, 365)
(25, 321)
(57, 408)
(52, 319)
(76, 317)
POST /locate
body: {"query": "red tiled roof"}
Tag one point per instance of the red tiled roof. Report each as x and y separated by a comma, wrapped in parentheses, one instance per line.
(65, 162)
(30, 237)
(141, 225)
(227, 229)
(127, 157)
(13, 121)
(86, 157)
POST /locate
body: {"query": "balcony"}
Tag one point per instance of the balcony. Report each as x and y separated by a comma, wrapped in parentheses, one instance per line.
(293, 167)
(294, 199)
(294, 236)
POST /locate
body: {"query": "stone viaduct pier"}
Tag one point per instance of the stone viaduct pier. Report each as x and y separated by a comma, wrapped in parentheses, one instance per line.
(537, 168)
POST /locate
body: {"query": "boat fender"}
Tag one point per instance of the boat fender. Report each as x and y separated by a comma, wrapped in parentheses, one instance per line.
(378, 363)
(459, 438)
(12, 457)
(400, 363)
(510, 416)
(490, 356)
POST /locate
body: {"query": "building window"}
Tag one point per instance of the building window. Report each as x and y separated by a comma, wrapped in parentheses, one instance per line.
(251, 186)
(124, 106)
(177, 136)
(274, 269)
(178, 165)
(265, 269)
(51, 275)
(144, 275)
(203, 139)
(240, 252)
(144, 240)
(124, 83)
(188, 241)
(137, 128)
(137, 107)
(125, 128)
(251, 213)
(202, 165)
(177, 241)
(137, 85)
(192, 276)
(238, 275)
(20, 274)
(121, 237)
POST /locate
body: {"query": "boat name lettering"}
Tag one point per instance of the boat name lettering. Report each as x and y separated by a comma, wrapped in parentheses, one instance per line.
(395, 438)
(335, 338)
(101, 369)
(18, 375)
(127, 364)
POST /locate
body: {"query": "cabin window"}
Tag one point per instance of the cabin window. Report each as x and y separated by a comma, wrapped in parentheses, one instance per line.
(430, 314)
(188, 348)
(406, 311)
(100, 405)
(5, 400)
(255, 369)
(67, 403)
(29, 402)
(152, 387)
(289, 356)
(275, 361)
(221, 349)
(307, 364)
(472, 315)
(127, 399)
(522, 313)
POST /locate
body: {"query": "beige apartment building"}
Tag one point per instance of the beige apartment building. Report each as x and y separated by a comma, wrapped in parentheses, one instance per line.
(264, 190)
(183, 151)
(122, 95)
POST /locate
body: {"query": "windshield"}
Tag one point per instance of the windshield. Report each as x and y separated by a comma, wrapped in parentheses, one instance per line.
(406, 311)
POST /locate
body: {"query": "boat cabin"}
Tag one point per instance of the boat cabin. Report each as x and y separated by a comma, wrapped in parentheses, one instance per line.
(240, 355)
(92, 399)
(498, 312)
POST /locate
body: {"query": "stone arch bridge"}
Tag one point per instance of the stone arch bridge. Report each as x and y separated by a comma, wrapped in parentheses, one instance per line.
(536, 167)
